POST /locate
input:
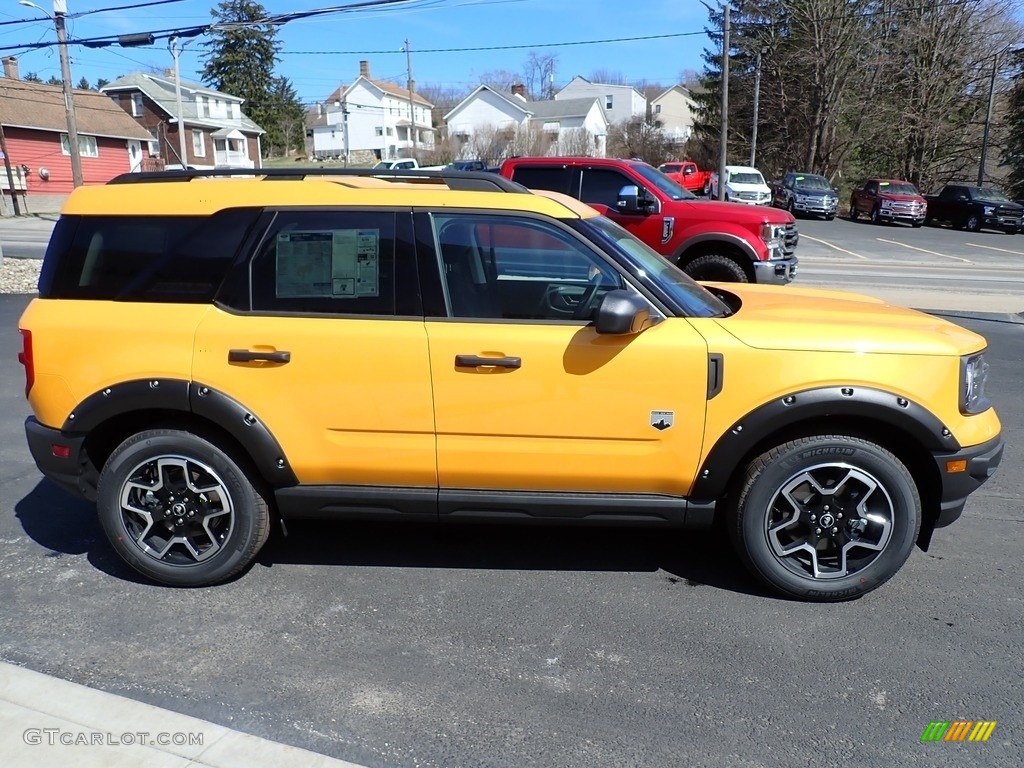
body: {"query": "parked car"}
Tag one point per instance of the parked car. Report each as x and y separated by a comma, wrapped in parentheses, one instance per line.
(707, 239)
(688, 175)
(972, 208)
(398, 164)
(887, 200)
(805, 193)
(204, 359)
(467, 165)
(743, 184)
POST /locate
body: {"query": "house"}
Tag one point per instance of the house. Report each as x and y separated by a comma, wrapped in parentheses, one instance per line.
(621, 102)
(492, 124)
(35, 125)
(673, 111)
(370, 116)
(217, 133)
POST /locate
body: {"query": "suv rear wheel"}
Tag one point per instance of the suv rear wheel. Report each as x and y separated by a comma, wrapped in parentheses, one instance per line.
(826, 518)
(716, 267)
(179, 509)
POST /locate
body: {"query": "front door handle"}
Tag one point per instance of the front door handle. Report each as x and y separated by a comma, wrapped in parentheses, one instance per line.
(249, 356)
(472, 361)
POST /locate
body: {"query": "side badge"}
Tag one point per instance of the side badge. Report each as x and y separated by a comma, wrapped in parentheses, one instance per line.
(662, 420)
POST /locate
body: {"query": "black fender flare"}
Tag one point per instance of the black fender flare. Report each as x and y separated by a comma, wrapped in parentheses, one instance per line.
(188, 397)
(897, 411)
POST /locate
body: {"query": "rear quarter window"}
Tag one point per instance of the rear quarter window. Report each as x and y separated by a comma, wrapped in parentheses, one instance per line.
(179, 259)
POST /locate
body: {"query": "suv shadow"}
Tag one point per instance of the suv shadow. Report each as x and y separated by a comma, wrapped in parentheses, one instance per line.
(69, 526)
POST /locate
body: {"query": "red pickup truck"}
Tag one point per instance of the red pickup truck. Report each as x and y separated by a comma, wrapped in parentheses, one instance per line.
(707, 239)
(687, 175)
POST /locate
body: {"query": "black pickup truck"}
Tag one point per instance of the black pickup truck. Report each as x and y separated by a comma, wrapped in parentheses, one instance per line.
(973, 208)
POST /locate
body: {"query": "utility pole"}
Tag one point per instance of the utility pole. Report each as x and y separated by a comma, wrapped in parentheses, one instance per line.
(7, 169)
(724, 134)
(412, 109)
(988, 121)
(175, 50)
(60, 10)
(757, 94)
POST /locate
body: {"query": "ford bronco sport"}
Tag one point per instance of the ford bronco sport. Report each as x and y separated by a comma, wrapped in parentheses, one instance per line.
(208, 354)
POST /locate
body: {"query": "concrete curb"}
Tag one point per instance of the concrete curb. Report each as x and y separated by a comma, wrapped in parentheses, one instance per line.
(48, 721)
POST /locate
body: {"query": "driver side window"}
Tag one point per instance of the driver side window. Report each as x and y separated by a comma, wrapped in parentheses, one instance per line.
(518, 269)
(602, 186)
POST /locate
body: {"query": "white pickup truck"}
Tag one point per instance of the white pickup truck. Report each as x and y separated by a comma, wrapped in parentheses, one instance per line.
(398, 164)
(743, 184)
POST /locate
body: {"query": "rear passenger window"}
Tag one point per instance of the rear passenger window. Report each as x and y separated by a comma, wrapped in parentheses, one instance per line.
(554, 179)
(332, 262)
(171, 259)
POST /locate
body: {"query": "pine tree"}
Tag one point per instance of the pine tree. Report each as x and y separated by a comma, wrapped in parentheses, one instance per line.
(242, 57)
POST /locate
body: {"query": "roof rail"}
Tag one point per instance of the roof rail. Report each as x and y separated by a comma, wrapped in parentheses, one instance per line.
(474, 181)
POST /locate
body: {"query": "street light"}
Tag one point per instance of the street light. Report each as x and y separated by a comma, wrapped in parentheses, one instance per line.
(60, 10)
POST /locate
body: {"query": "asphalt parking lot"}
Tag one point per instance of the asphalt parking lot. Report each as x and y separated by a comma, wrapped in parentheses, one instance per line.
(487, 646)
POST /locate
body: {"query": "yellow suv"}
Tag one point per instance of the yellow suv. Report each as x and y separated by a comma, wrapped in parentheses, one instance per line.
(206, 354)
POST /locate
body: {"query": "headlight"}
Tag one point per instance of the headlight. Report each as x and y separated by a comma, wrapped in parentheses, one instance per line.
(973, 376)
(773, 232)
(887, 203)
(989, 210)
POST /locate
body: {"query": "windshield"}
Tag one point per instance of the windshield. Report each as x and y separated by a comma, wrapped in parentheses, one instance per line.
(670, 168)
(812, 182)
(990, 196)
(692, 298)
(659, 180)
(897, 188)
(746, 177)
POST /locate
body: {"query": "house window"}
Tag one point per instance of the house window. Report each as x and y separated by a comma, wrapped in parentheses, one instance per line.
(608, 101)
(379, 131)
(198, 144)
(204, 106)
(86, 145)
(136, 105)
(391, 131)
(657, 109)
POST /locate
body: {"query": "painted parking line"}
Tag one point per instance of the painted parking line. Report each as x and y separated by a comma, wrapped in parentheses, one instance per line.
(993, 248)
(924, 250)
(804, 236)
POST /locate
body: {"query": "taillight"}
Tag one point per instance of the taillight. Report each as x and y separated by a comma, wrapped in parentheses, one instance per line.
(25, 358)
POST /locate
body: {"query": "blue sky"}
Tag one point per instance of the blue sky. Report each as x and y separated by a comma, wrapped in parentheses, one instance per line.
(317, 54)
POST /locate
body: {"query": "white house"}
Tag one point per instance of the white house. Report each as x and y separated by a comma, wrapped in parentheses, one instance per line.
(620, 102)
(370, 115)
(673, 111)
(568, 126)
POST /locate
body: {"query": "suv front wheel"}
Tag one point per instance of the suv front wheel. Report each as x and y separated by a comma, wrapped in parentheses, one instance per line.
(826, 518)
(179, 509)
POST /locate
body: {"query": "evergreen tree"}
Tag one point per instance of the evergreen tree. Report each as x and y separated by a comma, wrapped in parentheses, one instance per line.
(54, 80)
(242, 56)
(32, 77)
(286, 131)
(1013, 149)
(83, 84)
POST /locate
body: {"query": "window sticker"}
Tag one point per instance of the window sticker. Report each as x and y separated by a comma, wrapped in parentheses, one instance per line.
(338, 263)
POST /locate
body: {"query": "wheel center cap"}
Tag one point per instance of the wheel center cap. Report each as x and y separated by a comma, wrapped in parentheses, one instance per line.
(826, 520)
(178, 509)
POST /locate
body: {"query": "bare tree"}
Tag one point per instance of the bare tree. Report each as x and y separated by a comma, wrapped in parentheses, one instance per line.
(640, 139)
(577, 142)
(539, 75)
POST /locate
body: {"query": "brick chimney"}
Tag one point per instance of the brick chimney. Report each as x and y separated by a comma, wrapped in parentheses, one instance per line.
(518, 89)
(11, 67)
(364, 68)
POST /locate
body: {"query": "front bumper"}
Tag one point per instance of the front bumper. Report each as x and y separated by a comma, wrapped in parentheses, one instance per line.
(73, 472)
(816, 207)
(982, 461)
(775, 272)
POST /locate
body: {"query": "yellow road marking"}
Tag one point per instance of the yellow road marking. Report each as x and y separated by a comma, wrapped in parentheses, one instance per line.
(924, 250)
(830, 245)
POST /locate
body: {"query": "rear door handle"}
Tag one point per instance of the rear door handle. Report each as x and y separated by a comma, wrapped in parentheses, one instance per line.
(472, 361)
(249, 356)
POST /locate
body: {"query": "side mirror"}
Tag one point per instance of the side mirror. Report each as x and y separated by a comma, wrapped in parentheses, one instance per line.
(629, 199)
(688, 171)
(622, 313)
